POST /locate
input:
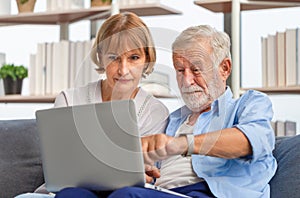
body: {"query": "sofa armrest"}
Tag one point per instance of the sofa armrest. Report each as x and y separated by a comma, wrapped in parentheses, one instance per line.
(20, 161)
(286, 181)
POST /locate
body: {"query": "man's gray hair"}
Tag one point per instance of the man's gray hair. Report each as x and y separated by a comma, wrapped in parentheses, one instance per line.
(219, 41)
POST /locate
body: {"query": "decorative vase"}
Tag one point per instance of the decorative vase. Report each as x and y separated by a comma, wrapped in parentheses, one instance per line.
(25, 5)
(96, 3)
(12, 86)
(5, 7)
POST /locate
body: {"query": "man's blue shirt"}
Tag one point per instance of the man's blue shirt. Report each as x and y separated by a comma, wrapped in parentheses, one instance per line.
(241, 177)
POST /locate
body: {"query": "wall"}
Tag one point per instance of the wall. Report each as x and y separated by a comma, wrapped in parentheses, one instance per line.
(256, 24)
(164, 29)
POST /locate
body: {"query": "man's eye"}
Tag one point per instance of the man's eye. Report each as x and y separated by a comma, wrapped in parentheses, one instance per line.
(180, 70)
(196, 70)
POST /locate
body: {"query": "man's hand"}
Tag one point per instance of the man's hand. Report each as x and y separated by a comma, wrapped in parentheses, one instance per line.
(160, 146)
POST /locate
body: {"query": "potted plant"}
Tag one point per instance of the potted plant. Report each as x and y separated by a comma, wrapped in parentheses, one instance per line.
(95, 3)
(13, 76)
(25, 5)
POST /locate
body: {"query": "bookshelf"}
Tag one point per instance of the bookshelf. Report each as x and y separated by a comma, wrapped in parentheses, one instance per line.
(27, 99)
(275, 90)
(63, 19)
(235, 7)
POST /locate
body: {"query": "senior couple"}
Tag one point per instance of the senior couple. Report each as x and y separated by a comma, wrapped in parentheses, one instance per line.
(214, 146)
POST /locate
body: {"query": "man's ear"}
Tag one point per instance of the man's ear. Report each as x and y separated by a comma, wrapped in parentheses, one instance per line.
(225, 68)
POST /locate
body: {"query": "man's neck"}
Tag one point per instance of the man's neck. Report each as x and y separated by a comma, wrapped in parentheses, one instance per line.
(194, 116)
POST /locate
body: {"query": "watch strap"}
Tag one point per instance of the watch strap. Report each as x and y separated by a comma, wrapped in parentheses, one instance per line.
(190, 141)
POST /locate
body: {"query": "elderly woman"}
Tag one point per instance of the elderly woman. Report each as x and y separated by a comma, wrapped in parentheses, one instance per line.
(124, 51)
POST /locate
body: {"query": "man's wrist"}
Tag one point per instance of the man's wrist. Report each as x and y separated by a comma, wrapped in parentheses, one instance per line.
(190, 144)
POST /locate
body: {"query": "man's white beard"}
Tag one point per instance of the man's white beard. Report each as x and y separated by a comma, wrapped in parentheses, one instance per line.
(199, 100)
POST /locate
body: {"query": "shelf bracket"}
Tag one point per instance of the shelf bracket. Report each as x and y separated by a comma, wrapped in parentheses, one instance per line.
(235, 31)
(64, 31)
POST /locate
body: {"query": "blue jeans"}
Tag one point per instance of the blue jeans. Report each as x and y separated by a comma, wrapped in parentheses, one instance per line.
(199, 190)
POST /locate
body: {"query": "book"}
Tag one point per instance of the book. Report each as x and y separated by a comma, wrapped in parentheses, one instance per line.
(290, 57)
(2, 61)
(93, 73)
(87, 62)
(72, 65)
(32, 74)
(273, 125)
(298, 55)
(40, 66)
(49, 68)
(271, 62)
(79, 60)
(64, 64)
(290, 128)
(280, 58)
(264, 61)
(279, 128)
(61, 66)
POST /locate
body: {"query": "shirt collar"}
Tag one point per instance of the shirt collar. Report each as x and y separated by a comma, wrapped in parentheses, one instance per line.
(219, 104)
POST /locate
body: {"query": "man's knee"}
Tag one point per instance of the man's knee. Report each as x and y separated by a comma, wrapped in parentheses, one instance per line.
(75, 192)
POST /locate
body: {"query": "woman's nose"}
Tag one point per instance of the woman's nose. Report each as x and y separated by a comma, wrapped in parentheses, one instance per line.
(123, 67)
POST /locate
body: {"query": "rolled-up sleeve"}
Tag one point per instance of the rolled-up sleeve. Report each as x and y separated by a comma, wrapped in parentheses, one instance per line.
(254, 120)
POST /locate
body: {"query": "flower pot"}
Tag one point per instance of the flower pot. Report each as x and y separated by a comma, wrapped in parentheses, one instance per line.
(25, 6)
(12, 86)
(95, 3)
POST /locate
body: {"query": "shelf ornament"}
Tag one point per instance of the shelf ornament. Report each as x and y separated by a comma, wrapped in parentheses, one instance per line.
(13, 76)
(96, 3)
(25, 5)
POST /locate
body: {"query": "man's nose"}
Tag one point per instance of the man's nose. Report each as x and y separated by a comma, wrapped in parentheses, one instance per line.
(188, 78)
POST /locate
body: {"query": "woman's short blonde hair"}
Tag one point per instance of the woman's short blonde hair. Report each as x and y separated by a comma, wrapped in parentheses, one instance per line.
(123, 32)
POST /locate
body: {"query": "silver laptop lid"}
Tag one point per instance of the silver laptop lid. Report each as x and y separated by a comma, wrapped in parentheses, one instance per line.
(96, 146)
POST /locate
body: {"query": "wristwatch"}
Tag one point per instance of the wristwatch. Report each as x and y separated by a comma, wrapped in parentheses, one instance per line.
(190, 141)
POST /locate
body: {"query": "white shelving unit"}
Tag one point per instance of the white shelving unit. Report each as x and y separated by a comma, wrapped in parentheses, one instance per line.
(66, 17)
(235, 7)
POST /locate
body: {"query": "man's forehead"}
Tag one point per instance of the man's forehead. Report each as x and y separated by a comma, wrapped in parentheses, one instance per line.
(191, 52)
(192, 55)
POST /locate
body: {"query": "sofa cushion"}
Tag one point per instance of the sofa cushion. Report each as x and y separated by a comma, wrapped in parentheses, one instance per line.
(20, 162)
(286, 181)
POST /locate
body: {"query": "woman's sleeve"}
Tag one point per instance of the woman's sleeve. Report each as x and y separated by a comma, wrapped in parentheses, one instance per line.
(155, 118)
(61, 100)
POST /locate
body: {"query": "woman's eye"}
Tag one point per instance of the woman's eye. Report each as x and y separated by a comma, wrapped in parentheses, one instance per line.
(134, 57)
(112, 57)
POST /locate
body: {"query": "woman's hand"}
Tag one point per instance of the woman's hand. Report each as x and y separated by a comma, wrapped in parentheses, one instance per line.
(151, 172)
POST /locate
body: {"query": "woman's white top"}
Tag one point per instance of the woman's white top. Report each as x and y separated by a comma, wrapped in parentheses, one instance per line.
(152, 114)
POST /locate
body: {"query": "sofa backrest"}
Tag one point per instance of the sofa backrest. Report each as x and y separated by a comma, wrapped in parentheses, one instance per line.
(20, 162)
(21, 166)
(286, 182)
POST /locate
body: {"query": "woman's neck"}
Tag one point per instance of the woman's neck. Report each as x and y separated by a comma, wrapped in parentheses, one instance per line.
(109, 94)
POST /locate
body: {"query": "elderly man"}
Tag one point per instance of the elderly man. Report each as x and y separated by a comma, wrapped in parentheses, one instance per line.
(215, 146)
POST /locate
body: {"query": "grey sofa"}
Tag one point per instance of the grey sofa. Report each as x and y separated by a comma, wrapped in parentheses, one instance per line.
(21, 167)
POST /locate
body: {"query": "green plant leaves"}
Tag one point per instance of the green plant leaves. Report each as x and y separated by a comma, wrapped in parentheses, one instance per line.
(23, 1)
(13, 71)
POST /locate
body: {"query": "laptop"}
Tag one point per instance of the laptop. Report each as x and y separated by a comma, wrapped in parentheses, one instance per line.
(94, 146)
